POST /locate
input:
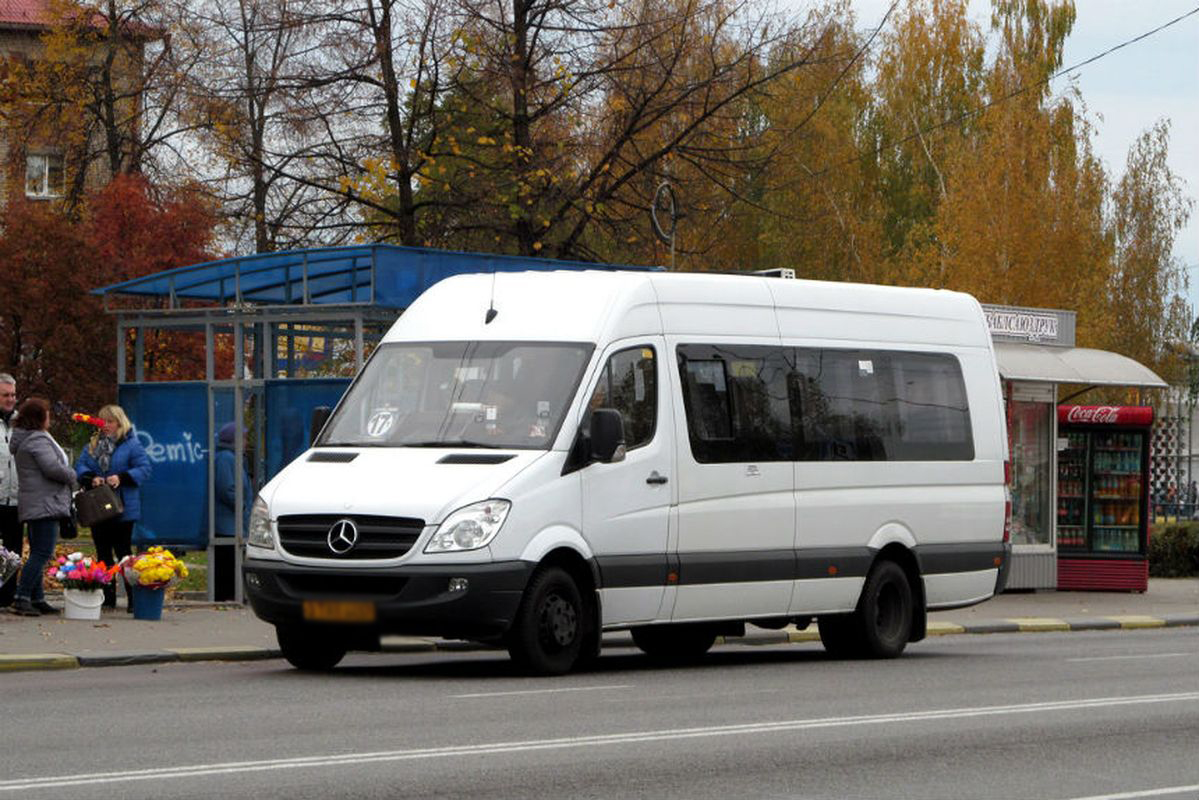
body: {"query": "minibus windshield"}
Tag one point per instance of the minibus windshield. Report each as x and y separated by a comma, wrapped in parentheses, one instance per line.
(460, 394)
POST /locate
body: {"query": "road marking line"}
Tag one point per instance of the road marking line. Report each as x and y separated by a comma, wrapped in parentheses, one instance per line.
(60, 781)
(541, 691)
(1144, 793)
(1125, 658)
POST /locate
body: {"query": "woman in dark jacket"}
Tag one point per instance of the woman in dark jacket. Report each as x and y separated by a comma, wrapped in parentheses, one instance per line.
(43, 499)
(117, 458)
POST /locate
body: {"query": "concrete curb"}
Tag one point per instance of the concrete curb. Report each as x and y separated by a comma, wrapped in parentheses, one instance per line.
(409, 644)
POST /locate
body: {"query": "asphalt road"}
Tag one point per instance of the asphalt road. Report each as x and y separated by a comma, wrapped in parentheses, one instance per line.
(1076, 715)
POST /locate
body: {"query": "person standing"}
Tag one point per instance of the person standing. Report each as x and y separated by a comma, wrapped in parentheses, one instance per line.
(10, 522)
(116, 457)
(43, 499)
(225, 469)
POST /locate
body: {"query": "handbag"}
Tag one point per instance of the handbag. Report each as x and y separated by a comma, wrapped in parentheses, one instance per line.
(98, 504)
(67, 527)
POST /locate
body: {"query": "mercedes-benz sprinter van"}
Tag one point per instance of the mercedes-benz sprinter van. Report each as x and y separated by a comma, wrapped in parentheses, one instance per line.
(530, 459)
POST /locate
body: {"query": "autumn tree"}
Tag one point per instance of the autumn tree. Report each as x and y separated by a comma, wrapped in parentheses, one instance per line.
(368, 104)
(247, 101)
(813, 204)
(54, 335)
(1148, 211)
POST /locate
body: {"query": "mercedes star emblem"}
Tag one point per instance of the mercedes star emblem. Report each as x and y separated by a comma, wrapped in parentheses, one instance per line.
(342, 536)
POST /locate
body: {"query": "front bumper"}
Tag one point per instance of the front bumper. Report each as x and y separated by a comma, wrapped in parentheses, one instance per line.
(412, 600)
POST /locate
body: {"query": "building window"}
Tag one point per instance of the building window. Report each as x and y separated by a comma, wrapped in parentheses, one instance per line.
(43, 176)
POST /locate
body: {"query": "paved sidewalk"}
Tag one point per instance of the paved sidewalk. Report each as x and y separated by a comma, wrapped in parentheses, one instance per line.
(193, 631)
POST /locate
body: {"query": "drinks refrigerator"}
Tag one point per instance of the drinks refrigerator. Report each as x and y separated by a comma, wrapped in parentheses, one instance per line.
(1103, 497)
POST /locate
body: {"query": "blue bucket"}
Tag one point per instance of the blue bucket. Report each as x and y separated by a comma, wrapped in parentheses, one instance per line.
(147, 602)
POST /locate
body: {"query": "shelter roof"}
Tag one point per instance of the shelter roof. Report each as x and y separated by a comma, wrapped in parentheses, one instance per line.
(385, 276)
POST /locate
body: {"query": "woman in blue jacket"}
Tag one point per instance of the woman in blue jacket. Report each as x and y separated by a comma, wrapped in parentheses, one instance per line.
(117, 458)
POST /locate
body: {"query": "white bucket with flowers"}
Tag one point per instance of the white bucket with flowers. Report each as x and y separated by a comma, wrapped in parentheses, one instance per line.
(83, 581)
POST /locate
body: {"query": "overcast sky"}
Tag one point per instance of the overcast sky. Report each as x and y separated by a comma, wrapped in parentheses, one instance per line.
(1130, 89)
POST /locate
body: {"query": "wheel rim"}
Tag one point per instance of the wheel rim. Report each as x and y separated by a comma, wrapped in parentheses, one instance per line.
(889, 618)
(558, 622)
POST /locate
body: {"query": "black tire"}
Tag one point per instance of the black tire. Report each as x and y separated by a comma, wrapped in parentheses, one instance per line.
(881, 625)
(551, 625)
(674, 643)
(885, 611)
(840, 635)
(310, 649)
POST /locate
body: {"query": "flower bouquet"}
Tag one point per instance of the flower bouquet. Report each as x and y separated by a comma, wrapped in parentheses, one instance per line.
(151, 572)
(10, 562)
(156, 568)
(77, 571)
(82, 581)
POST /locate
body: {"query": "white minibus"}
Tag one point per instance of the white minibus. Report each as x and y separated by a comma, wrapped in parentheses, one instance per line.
(532, 459)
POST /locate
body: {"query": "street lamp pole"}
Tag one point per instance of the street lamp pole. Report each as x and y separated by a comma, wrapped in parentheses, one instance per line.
(664, 199)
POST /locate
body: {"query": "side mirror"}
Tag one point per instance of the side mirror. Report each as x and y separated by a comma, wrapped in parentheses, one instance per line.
(320, 415)
(607, 435)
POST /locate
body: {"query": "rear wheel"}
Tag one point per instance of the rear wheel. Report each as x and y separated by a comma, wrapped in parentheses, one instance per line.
(675, 643)
(550, 627)
(308, 648)
(886, 611)
(881, 625)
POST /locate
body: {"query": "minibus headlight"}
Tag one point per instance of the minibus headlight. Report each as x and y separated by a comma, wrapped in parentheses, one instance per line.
(469, 528)
(259, 533)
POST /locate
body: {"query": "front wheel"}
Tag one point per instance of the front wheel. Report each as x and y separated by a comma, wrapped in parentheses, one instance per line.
(549, 630)
(309, 648)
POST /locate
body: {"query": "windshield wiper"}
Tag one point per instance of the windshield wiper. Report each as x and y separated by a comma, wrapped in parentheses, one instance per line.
(456, 443)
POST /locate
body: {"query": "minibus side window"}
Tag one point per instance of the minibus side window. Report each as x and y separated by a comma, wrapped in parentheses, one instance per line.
(845, 407)
(736, 402)
(873, 405)
(629, 384)
(933, 416)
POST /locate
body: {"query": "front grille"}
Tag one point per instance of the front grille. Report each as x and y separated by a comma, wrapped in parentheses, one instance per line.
(307, 535)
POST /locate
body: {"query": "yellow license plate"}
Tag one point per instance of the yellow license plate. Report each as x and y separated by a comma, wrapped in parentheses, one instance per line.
(339, 611)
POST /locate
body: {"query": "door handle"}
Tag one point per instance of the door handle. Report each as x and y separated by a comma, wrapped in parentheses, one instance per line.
(655, 479)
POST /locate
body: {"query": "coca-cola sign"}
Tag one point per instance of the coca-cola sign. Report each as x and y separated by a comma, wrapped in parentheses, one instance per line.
(1105, 415)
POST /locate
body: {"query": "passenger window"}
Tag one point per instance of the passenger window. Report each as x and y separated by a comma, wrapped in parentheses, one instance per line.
(629, 384)
(736, 402)
(872, 405)
(845, 410)
(933, 416)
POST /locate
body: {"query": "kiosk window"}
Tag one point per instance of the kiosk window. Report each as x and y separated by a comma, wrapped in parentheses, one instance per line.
(629, 384)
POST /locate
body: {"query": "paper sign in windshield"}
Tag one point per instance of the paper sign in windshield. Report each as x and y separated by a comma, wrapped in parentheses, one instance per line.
(380, 423)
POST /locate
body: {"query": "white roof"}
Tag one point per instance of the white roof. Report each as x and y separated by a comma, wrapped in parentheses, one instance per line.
(1031, 362)
(596, 306)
